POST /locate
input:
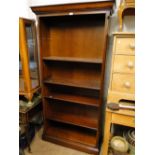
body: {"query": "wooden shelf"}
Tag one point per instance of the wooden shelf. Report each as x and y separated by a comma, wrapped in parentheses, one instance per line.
(89, 123)
(72, 133)
(84, 100)
(79, 115)
(79, 84)
(73, 59)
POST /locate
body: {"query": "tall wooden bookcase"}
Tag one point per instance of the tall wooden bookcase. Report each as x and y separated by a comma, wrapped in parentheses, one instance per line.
(72, 40)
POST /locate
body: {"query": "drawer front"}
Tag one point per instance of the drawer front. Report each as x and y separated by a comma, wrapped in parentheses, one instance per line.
(123, 83)
(124, 64)
(125, 46)
(123, 120)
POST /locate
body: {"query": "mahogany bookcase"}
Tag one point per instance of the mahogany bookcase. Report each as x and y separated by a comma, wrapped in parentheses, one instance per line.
(72, 43)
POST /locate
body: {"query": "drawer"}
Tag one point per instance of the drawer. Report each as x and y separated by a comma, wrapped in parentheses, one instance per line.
(125, 46)
(123, 120)
(123, 83)
(124, 64)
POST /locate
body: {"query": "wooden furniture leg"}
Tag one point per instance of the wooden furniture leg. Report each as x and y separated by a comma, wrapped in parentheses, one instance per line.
(106, 133)
(120, 20)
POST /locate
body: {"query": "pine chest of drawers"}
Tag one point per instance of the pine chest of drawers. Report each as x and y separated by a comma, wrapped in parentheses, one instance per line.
(122, 78)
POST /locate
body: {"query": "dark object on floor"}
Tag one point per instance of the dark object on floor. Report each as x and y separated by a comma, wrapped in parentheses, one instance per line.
(23, 138)
(37, 119)
(115, 106)
(26, 112)
(130, 137)
(21, 151)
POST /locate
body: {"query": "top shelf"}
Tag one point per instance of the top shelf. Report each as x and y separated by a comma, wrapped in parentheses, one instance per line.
(72, 59)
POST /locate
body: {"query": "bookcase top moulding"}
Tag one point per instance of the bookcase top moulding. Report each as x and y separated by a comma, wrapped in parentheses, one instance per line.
(60, 8)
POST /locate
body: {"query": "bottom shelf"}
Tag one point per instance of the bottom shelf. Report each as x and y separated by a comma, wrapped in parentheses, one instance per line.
(71, 133)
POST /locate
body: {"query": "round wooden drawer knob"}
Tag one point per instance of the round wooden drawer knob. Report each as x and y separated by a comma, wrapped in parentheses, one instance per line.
(127, 84)
(119, 42)
(130, 64)
(132, 45)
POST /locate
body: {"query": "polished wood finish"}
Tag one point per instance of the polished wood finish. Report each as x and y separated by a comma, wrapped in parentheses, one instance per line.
(84, 116)
(74, 99)
(73, 95)
(28, 84)
(77, 137)
(76, 134)
(78, 7)
(79, 84)
(71, 59)
(72, 52)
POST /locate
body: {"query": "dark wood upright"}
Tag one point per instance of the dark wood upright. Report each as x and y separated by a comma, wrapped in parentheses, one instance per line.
(72, 39)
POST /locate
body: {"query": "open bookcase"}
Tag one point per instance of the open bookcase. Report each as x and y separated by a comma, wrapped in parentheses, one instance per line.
(72, 52)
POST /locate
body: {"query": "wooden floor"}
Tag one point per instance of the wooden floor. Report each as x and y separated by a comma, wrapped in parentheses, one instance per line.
(41, 147)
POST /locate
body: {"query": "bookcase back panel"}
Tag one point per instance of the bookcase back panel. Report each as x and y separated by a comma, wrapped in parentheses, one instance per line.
(75, 73)
(80, 36)
(71, 113)
(71, 90)
(70, 132)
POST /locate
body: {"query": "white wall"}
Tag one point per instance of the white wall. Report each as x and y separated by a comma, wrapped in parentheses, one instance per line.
(24, 10)
(48, 2)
